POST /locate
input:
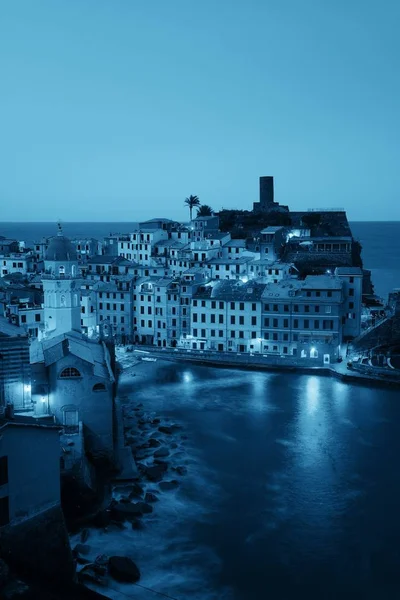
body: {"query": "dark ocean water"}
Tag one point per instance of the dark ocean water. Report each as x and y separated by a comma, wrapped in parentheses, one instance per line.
(292, 491)
(380, 241)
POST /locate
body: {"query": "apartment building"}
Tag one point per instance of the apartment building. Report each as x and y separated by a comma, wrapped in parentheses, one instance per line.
(114, 306)
(352, 278)
(226, 316)
(303, 318)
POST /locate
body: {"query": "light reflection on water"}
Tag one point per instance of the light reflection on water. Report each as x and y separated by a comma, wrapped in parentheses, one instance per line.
(298, 466)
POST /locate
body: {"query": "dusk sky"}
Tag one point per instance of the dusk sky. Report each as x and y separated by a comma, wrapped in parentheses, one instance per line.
(117, 110)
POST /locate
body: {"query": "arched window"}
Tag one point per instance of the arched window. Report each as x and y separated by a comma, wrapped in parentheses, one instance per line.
(61, 270)
(73, 270)
(99, 387)
(70, 373)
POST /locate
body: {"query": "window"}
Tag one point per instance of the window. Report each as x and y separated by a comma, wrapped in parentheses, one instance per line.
(100, 305)
(213, 304)
(70, 373)
(351, 291)
(318, 294)
(23, 318)
(233, 320)
(221, 305)
(241, 320)
(351, 279)
(328, 309)
(212, 332)
(232, 306)
(254, 320)
(220, 318)
(306, 324)
(203, 333)
(286, 307)
(329, 294)
(316, 324)
(3, 470)
(275, 308)
(274, 322)
(308, 294)
(37, 317)
(316, 308)
(203, 317)
(194, 317)
(275, 337)
(295, 323)
(286, 323)
(212, 318)
(99, 387)
(296, 308)
(122, 306)
(306, 308)
(195, 332)
(351, 304)
(254, 306)
(241, 306)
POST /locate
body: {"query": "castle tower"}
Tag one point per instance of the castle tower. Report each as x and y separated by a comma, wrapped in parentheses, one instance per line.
(62, 311)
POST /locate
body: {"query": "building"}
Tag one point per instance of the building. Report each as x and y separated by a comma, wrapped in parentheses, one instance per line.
(72, 380)
(303, 318)
(61, 288)
(29, 470)
(21, 262)
(15, 371)
(113, 303)
(266, 203)
(225, 316)
(352, 278)
(204, 226)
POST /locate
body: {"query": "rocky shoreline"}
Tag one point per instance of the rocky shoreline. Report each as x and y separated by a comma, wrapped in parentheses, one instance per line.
(158, 448)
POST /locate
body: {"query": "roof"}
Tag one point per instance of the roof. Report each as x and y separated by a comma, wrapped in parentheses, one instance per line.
(207, 218)
(106, 259)
(60, 249)
(349, 271)
(230, 261)
(9, 330)
(157, 221)
(235, 244)
(272, 229)
(54, 349)
(231, 290)
(322, 282)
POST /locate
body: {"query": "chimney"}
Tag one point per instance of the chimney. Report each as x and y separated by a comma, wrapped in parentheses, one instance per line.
(266, 191)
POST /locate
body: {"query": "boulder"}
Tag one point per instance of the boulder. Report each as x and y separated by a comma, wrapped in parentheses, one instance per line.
(137, 524)
(155, 473)
(123, 569)
(83, 549)
(153, 443)
(166, 429)
(165, 486)
(144, 507)
(84, 535)
(150, 497)
(180, 470)
(102, 519)
(156, 421)
(173, 446)
(161, 463)
(126, 511)
(161, 452)
(137, 491)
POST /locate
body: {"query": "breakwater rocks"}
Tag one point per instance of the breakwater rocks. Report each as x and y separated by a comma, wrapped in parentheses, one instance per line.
(158, 448)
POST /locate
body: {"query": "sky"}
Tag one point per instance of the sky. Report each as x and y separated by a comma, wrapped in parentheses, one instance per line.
(114, 110)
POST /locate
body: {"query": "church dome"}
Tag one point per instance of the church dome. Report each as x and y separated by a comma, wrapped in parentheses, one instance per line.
(60, 249)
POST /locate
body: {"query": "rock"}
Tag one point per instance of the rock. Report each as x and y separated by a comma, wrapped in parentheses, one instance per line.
(184, 437)
(123, 569)
(82, 561)
(150, 497)
(102, 560)
(137, 524)
(173, 446)
(125, 500)
(126, 511)
(156, 421)
(153, 443)
(165, 429)
(140, 405)
(144, 507)
(141, 454)
(155, 473)
(165, 486)
(137, 491)
(161, 452)
(161, 463)
(141, 467)
(84, 535)
(82, 549)
(180, 470)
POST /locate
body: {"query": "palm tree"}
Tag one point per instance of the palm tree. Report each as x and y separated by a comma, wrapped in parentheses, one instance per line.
(205, 211)
(191, 202)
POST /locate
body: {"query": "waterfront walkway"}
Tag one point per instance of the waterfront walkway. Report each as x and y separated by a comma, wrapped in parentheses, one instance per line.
(268, 363)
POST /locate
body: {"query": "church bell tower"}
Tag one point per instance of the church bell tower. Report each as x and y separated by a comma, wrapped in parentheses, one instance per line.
(61, 288)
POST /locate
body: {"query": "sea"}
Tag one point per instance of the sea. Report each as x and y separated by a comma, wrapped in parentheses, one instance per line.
(292, 487)
(380, 241)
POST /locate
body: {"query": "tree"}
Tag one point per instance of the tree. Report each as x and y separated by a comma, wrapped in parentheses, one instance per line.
(205, 211)
(192, 202)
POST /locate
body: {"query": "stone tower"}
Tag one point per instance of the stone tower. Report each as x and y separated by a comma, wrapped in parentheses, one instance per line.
(62, 311)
